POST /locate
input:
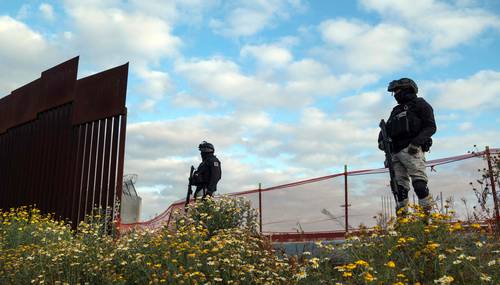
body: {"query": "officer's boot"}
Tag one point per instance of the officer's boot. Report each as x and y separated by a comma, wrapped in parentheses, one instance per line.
(402, 208)
(427, 204)
(402, 204)
(204, 194)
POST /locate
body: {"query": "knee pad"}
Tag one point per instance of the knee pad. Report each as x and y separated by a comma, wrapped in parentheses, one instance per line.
(402, 193)
(420, 187)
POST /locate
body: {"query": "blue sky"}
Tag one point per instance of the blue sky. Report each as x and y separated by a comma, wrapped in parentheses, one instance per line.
(285, 89)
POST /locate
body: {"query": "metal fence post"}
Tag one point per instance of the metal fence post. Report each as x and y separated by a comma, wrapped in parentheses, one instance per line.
(493, 189)
(346, 200)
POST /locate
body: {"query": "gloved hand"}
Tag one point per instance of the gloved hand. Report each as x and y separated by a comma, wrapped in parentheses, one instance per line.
(413, 149)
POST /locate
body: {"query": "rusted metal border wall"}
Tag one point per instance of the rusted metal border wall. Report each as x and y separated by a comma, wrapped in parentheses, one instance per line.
(62, 142)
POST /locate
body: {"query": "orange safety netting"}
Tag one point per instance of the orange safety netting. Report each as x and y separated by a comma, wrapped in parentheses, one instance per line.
(317, 205)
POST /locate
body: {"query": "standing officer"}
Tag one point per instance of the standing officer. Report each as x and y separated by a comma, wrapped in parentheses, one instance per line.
(410, 127)
(209, 171)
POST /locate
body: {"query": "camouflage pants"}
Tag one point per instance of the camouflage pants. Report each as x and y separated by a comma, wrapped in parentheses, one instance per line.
(408, 166)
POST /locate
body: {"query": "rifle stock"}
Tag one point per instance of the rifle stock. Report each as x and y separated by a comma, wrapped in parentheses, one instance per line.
(190, 190)
(388, 158)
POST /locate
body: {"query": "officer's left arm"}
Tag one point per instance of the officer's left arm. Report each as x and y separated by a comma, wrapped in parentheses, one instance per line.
(428, 124)
(215, 175)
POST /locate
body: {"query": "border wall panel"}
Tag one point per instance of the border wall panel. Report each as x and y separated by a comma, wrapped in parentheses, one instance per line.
(62, 142)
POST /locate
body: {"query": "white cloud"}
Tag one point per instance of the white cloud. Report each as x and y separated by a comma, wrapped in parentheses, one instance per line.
(465, 126)
(461, 142)
(222, 78)
(268, 55)
(156, 84)
(150, 139)
(246, 18)
(309, 78)
(187, 100)
(148, 105)
(303, 81)
(342, 31)
(47, 11)
(334, 139)
(479, 91)
(24, 53)
(110, 35)
(361, 47)
(175, 11)
(17, 36)
(366, 108)
(440, 24)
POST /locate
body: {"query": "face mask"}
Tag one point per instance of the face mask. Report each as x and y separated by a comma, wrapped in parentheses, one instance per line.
(403, 96)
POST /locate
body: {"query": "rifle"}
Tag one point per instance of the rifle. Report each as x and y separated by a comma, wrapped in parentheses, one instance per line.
(387, 141)
(190, 190)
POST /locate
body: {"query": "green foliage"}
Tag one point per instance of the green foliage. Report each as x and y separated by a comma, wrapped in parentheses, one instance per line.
(216, 242)
(223, 213)
(415, 249)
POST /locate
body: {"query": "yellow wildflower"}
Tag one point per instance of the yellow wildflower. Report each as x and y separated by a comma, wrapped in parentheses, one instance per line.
(314, 262)
(456, 227)
(391, 264)
(485, 277)
(361, 263)
(368, 277)
(350, 266)
(476, 226)
(404, 221)
(445, 280)
(432, 246)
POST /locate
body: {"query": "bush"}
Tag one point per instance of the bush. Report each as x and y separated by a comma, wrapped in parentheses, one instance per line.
(415, 250)
(221, 214)
(215, 243)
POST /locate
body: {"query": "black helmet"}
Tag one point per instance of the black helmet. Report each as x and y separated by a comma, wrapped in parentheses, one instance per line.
(403, 83)
(206, 147)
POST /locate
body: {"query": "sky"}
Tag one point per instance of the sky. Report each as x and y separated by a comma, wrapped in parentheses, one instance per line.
(284, 89)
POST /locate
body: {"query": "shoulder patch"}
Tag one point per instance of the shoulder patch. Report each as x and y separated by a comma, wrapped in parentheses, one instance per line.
(216, 164)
